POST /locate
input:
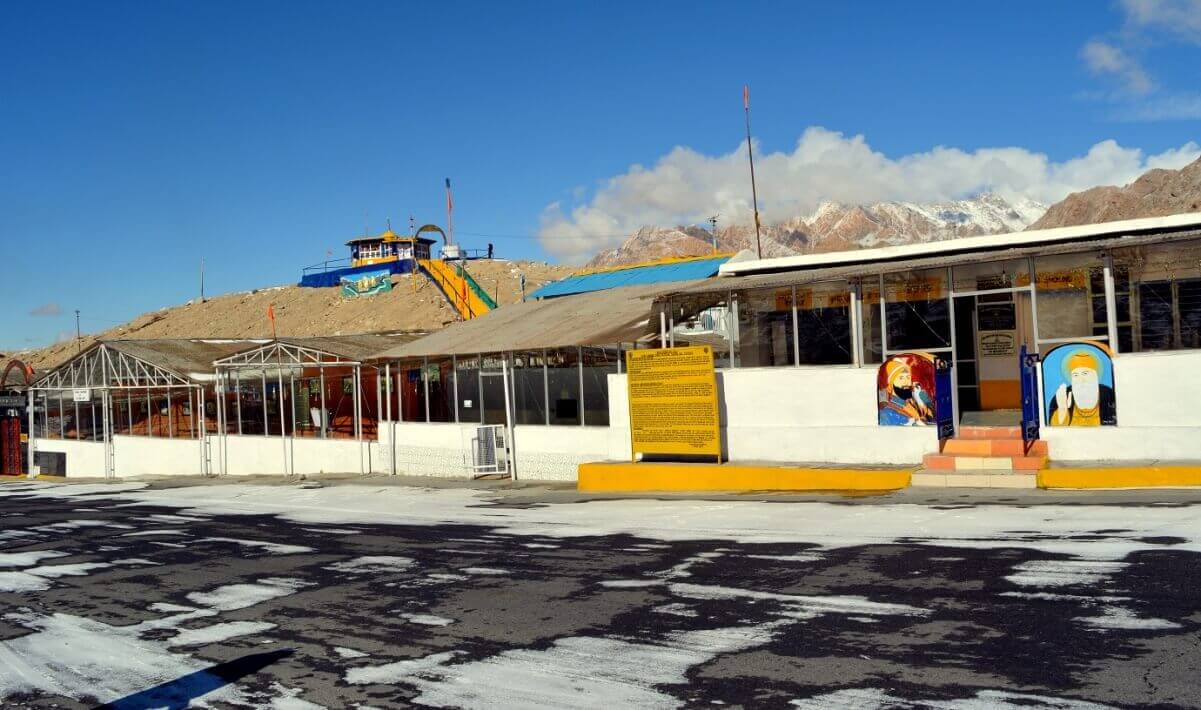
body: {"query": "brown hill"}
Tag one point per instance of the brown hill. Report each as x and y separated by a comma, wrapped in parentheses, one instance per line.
(411, 305)
(1158, 193)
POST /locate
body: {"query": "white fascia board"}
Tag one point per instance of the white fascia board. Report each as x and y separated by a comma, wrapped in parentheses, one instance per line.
(984, 242)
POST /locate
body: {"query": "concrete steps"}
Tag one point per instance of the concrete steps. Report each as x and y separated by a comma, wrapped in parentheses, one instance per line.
(984, 457)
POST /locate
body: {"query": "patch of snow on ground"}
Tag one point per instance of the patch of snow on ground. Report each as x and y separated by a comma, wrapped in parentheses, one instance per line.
(485, 571)
(240, 596)
(802, 557)
(218, 632)
(373, 563)
(277, 548)
(27, 559)
(79, 569)
(427, 619)
(89, 660)
(631, 583)
(575, 672)
(1063, 573)
(344, 652)
(802, 605)
(864, 698)
(154, 533)
(1114, 617)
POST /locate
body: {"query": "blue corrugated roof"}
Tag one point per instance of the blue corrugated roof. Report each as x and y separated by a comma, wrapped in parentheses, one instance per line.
(635, 275)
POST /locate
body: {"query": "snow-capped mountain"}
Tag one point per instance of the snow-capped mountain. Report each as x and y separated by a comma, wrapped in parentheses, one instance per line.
(836, 227)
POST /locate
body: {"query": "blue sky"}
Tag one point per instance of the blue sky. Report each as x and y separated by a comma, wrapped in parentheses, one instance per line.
(139, 137)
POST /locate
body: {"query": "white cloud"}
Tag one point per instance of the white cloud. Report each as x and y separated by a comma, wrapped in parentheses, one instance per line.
(1178, 17)
(1181, 107)
(47, 310)
(686, 187)
(1102, 59)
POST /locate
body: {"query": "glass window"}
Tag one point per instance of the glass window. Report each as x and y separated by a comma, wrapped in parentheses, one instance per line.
(1070, 291)
(765, 327)
(563, 379)
(492, 389)
(918, 315)
(468, 375)
(412, 394)
(704, 319)
(529, 387)
(824, 324)
(441, 376)
(990, 275)
(598, 364)
(1162, 285)
(873, 350)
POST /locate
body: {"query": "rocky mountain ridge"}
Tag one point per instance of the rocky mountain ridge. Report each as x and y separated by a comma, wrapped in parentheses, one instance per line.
(835, 227)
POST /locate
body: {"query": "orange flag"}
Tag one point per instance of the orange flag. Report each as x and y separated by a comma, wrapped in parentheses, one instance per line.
(271, 317)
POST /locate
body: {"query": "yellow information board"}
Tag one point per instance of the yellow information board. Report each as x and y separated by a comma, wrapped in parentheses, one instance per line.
(673, 402)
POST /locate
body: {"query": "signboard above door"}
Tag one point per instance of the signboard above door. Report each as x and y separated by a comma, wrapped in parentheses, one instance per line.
(996, 316)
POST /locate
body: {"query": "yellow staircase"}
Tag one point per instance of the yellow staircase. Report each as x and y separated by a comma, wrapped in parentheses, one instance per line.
(459, 288)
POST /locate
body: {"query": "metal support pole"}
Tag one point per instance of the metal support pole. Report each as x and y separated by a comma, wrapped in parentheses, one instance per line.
(883, 323)
(324, 414)
(62, 427)
(735, 334)
(170, 416)
(579, 363)
(796, 332)
(425, 384)
(1111, 305)
(266, 427)
(512, 457)
(454, 367)
(856, 326)
(238, 397)
(1033, 300)
(283, 439)
(32, 448)
(76, 419)
(662, 329)
(107, 433)
(358, 412)
(954, 352)
(200, 439)
(149, 415)
(545, 389)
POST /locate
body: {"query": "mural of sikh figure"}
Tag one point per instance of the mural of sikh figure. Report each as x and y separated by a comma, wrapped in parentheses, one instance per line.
(1083, 398)
(903, 401)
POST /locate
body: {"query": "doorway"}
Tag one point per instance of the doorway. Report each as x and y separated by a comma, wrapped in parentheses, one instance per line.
(991, 327)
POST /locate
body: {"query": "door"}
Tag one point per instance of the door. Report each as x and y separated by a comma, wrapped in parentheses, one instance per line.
(492, 397)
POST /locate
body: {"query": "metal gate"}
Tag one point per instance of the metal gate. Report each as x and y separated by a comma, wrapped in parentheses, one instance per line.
(1030, 403)
(490, 450)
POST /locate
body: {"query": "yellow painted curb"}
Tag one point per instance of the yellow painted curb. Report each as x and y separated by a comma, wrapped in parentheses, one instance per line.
(1133, 477)
(607, 477)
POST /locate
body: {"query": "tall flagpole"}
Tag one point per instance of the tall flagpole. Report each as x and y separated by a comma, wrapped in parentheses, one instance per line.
(450, 219)
(746, 107)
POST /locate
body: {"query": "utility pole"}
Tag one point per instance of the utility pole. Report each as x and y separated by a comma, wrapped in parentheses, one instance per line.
(746, 106)
(713, 230)
(78, 337)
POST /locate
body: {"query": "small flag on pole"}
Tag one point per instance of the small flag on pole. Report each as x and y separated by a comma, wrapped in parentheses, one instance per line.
(271, 317)
(450, 205)
(746, 96)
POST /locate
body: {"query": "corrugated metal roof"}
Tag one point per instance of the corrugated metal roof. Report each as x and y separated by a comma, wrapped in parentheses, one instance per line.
(353, 347)
(982, 243)
(688, 270)
(184, 357)
(600, 318)
(801, 276)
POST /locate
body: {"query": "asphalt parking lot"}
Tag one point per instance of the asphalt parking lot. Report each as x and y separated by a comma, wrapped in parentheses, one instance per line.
(363, 595)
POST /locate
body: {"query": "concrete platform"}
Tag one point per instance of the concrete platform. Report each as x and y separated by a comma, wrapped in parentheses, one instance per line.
(646, 477)
(1152, 474)
(981, 479)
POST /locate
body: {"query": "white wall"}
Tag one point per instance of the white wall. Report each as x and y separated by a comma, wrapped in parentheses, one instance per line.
(84, 458)
(442, 450)
(248, 455)
(154, 456)
(1158, 408)
(793, 415)
(554, 453)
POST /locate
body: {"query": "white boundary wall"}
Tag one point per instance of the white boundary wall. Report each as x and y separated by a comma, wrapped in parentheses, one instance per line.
(1158, 409)
(248, 455)
(84, 458)
(824, 414)
(154, 456)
